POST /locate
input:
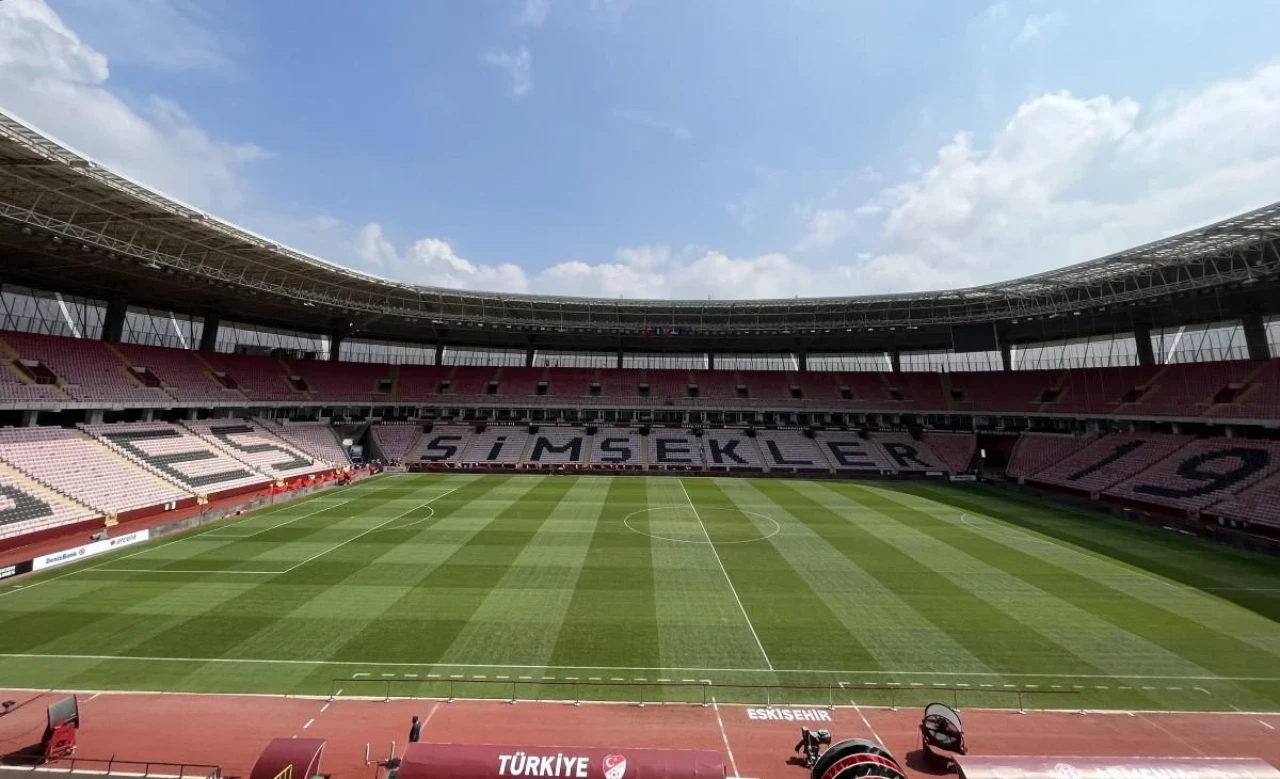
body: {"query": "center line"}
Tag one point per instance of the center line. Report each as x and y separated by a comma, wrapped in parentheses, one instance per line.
(732, 589)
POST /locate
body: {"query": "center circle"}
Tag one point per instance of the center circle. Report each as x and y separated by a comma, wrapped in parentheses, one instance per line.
(642, 523)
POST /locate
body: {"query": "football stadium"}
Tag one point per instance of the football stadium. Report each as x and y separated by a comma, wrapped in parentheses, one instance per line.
(260, 511)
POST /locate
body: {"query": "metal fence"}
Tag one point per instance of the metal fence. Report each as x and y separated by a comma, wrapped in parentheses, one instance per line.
(696, 692)
(112, 766)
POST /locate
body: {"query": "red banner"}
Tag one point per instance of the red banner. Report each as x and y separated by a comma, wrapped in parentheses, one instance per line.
(452, 761)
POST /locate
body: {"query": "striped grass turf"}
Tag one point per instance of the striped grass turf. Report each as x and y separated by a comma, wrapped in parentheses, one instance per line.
(628, 588)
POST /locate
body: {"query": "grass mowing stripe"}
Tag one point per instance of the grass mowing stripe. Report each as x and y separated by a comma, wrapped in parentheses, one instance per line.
(519, 621)
(920, 621)
(430, 615)
(220, 631)
(612, 616)
(1175, 634)
(110, 593)
(1194, 562)
(795, 624)
(894, 633)
(700, 619)
(719, 562)
(1204, 608)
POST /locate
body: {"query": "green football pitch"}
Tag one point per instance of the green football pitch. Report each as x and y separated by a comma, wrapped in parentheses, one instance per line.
(663, 588)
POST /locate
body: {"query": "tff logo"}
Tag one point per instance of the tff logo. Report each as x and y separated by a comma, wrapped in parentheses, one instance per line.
(615, 766)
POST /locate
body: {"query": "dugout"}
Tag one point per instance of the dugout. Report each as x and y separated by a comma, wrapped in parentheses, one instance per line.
(1003, 767)
(457, 761)
(289, 758)
(855, 758)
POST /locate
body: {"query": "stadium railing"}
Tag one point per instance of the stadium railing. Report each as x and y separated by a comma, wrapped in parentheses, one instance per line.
(112, 766)
(696, 692)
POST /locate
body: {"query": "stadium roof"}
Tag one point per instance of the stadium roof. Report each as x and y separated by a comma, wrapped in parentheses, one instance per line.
(68, 223)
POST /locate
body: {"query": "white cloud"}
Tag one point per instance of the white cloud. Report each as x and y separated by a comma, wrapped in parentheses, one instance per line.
(656, 123)
(1019, 206)
(165, 34)
(533, 13)
(1036, 27)
(517, 66)
(434, 262)
(51, 78)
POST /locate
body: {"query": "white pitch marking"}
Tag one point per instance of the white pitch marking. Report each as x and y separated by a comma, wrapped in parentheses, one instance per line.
(362, 534)
(171, 570)
(325, 707)
(865, 721)
(282, 524)
(1267, 725)
(149, 548)
(313, 719)
(724, 736)
(732, 589)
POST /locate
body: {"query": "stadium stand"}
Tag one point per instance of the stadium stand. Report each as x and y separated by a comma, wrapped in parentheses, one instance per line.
(421, 383)
(520, 383)
(89, 369)
(27, 507)
(1259, 504)
(673, 448)
(176, 455)
(443, 444)
(716, 385)
(471, 381)
(395, 441)
(571, 382)
(558, 446)
(621, 384)
(359, 382)
(498, 445)
(16, 386)
(70, 462)
(1258, 397)
(820, 387)
(251, 444)
(770, 386)
(667, 386)
(617, 446)
(916, 391)
(1201, 473)
(1015, 391)
(849, 452)
(1098, 390)
(183, 374)
(1034, 452)
(317, 439)
(730, 450)
(262, 379)
(1110, 460)
(791, 450)
(907, 454)
(954, 450)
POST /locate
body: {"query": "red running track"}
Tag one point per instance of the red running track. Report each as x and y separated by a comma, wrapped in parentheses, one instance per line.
(230, 731)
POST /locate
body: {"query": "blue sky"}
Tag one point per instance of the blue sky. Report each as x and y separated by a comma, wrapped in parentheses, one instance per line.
(657, 148)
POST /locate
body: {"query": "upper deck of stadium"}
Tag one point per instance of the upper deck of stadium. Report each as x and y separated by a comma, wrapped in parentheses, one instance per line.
(69, 224)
